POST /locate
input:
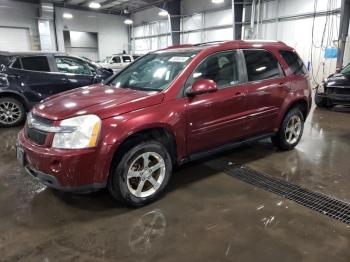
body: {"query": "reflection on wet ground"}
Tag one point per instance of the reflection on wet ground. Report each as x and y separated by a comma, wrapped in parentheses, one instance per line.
(205, 216)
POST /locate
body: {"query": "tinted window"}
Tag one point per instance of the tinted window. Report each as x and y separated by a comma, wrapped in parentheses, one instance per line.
(72, 66)
(346, 69)
(261, 65)
(126, 59)
(36, 63)
(221, 68)
(294, 62)
(17, 64)
(116, 59)
(4, 60)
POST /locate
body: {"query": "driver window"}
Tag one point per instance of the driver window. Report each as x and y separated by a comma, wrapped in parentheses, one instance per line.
(116, 60)
(72, 66)
(221, 68)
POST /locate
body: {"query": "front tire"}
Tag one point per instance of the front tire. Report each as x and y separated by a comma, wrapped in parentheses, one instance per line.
(290, 131)
(12, 112)
(141, 174)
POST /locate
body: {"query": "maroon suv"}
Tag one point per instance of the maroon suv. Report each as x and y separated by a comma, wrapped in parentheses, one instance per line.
(169, 107)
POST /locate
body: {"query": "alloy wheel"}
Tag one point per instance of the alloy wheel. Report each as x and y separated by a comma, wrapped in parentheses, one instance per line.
(293, 129)
(146, 174)
(9, 113)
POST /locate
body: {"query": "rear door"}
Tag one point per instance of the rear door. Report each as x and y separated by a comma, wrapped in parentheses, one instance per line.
(35, 77)
(77, 71)
(216, 118)
(267, 87)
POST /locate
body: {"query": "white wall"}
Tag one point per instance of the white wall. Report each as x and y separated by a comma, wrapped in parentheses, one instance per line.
(112, 32)
(299, 34)
(189, 7)
(295, 32)
(21, 15)
(146, 16)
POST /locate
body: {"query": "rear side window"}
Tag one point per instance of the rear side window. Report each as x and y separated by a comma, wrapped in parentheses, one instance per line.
(261, 65)
(126, 59)
(294, 62)
(36, 63)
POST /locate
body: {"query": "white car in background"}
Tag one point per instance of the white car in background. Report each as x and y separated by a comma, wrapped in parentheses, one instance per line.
(117, 62)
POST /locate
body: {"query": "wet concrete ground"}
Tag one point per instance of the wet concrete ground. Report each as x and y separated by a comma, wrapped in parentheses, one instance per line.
(205, 216)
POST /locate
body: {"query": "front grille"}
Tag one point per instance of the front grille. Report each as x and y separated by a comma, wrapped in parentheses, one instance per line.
(339, 90)
(321, 203)
(37, 136)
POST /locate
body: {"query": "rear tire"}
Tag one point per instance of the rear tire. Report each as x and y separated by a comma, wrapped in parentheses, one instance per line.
(291, 130)
(141, 174)
(12, 112)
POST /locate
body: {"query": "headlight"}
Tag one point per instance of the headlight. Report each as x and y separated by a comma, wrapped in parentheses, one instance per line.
(320, 88)
(4, 82)
(78, 132)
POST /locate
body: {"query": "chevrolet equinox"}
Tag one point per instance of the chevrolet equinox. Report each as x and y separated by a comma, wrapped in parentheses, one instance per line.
(169, 107)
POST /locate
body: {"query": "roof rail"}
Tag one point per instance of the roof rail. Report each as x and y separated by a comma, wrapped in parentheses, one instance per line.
(210, 43)
(178, 46)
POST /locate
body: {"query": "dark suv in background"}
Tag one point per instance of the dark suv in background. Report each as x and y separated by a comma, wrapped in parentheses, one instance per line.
(28, 78)
(167, 108)
(334, 90)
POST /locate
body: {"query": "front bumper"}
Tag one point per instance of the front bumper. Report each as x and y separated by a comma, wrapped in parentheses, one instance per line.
(336, 98)
(66, 170)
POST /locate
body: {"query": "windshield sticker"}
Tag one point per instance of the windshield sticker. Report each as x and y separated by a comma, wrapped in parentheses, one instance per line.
(178, 59)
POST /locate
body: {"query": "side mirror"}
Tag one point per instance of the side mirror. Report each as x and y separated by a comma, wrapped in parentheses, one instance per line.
(201, 86)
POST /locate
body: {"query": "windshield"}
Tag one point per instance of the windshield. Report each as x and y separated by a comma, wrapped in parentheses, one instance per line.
(153, 72)
(346, 69)
(106, 60)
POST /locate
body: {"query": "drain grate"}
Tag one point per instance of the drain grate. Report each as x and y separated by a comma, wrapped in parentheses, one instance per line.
(324, 204)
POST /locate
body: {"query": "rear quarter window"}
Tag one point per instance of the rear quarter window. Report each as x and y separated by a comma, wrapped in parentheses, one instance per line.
(36, 63)
(16, 64)
(294, 62)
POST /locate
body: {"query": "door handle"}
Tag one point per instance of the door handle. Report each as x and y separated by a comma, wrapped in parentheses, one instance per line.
(238, 94)
(284, 86)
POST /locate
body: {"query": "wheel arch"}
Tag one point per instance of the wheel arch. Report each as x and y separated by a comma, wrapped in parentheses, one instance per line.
(301, 102)
(161, 134)
(17, 96)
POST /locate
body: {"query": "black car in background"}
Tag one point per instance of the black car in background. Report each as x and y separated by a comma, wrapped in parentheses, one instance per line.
(335, 90)
(28, 78)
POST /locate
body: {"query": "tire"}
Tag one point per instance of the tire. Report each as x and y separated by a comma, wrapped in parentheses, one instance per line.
(12, 112)
(284, 140)
(124, 183)
(320, 101)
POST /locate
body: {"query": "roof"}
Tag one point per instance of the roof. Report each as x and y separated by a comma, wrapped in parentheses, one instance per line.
(35, 53)
(232, 44)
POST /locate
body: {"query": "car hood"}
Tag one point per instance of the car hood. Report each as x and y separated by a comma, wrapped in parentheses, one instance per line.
(102, 100)
(338, 80)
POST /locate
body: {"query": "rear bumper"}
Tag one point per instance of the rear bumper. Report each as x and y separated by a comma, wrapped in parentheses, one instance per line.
(66, 170)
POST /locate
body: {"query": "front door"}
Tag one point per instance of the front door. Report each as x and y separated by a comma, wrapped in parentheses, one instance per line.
(216, 118)
(77, 72)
